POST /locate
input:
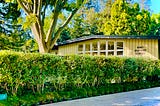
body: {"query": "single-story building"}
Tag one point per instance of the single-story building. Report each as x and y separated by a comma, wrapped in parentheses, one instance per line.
(129, 46)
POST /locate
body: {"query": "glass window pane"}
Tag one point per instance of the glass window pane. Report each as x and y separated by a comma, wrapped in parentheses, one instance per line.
(94, 47)
(120, 53)
(103, 46)
(110, 45)
(103, 53)
(87, 47)
(111, 53)
(80, 47)
(119, 45)
(80, 53)
(94, 53)
(87, 52)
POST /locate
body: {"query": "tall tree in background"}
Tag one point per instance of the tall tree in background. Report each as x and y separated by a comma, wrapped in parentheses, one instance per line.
(12, 36)
(36, 11)
(8, 18)
(105, 15)
(155, 25)
(127, 19)
(84, 23)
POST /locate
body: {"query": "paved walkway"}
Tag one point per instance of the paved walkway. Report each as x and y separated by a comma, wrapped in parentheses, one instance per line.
(146, 97)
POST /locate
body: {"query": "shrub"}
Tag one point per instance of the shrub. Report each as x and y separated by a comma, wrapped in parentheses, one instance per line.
(22, 74)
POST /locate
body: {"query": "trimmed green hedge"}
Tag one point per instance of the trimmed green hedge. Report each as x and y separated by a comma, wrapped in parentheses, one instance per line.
(22, 74)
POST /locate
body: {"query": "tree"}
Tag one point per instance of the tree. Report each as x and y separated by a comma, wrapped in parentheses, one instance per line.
(127, 19)
(105, 15)
(8, 18)
(36, 12)
(11, 42)
(12, 36)
(155, 25)
(84, 23)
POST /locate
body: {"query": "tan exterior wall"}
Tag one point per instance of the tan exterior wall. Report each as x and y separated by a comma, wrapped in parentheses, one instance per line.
(69, 49)
(131, 47)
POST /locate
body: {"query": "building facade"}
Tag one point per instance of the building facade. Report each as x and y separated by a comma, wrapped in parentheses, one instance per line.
(129, 46)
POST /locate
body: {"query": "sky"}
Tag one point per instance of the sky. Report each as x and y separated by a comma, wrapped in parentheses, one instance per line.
(155, 6)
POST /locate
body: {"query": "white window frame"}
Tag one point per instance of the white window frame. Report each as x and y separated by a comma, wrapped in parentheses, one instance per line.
(105, 50)
(98, 51)
(89, 48)
(110, 50)
(120, 49)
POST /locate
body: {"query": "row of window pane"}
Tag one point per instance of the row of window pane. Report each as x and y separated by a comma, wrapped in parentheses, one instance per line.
(111, 46)
(110, 53)
(102, 46)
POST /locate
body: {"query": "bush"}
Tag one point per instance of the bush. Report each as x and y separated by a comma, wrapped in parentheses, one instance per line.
(22, 74)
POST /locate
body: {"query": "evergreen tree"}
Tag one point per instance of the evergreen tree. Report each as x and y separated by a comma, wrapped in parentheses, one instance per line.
(8, 18)
(12, 36)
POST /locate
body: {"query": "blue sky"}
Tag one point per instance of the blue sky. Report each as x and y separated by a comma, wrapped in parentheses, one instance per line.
(155, 6)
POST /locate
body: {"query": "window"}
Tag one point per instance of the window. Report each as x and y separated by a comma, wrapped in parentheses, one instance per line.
(110, 45)
(119, 45)
(103, 46)
(87, 47)
(80, 48)
(119, 53)
(110, 53)
(94, 46)
(119, 48)
(103, 53)
(94, 53)
(110, 48)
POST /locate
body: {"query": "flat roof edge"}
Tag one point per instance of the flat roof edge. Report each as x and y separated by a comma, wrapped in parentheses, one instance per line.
(84, 38)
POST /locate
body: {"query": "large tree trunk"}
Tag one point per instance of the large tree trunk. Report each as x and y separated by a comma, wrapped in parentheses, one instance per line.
(38, 35)
(37, 10)
(42, 48)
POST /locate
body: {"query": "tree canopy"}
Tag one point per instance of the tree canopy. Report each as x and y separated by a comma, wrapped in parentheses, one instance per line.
(52, 21)
(37, 11)
(12, 36)
(127, 19)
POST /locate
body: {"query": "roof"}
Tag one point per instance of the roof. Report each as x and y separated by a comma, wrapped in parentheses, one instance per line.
(84, 38)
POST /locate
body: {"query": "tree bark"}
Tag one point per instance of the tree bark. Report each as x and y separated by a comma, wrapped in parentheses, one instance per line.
(37, 35)
(46, 42)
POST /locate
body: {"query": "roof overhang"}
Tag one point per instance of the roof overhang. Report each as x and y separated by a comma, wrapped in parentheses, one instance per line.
(85, 38)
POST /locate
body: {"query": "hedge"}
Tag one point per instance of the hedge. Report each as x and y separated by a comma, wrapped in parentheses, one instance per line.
(22, 74)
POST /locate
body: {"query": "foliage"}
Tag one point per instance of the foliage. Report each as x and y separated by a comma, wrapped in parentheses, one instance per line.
(84, 23)
(26, 76)
(155, 24)
(8, 18)
(32, 71)
(36, 12)
(123, 18)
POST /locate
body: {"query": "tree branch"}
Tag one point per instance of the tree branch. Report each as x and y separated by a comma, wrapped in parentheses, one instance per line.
(39, 7)
(44, 12)
(53, 24)
(24, 7)
(57, 34)
(35, 7)
(52, 28)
